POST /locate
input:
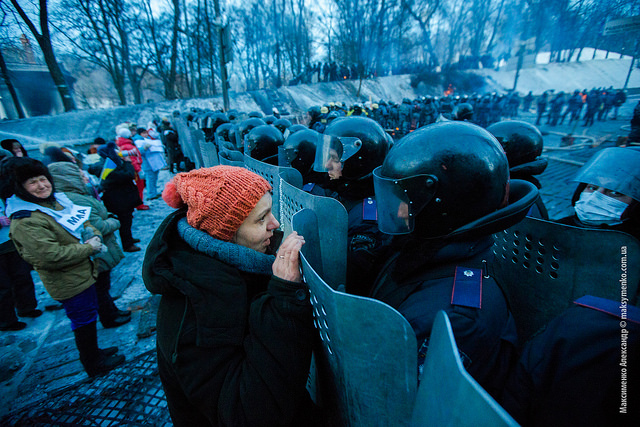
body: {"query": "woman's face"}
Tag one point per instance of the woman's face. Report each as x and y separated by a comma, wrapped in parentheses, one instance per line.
(38, 186)
(256, 231)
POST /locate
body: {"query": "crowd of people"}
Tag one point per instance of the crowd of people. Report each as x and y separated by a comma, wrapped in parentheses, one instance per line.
(419, 209)
(61, 216)
(424, 193)
(400, 118)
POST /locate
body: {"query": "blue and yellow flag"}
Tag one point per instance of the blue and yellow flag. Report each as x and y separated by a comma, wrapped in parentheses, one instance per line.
(109, 166)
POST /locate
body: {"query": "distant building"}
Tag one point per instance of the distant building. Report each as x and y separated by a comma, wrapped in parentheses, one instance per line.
(36, 91)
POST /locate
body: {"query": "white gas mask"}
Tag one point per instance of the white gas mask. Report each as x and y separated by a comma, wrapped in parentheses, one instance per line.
(596, 209)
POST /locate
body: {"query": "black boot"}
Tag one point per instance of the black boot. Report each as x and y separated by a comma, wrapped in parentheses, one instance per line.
(94, 360)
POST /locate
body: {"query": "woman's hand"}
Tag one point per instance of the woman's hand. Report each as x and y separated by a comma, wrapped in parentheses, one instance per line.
(287, 263)
(95, 243)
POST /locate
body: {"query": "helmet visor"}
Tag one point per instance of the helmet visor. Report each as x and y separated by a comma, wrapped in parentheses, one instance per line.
(333, 149)
(616, 169)
(286, 156)
(399, 201)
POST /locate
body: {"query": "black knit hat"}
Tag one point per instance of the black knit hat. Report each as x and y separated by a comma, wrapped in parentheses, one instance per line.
(20, 169)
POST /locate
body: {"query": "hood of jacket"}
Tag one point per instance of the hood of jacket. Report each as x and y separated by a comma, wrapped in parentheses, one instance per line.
(67, 178)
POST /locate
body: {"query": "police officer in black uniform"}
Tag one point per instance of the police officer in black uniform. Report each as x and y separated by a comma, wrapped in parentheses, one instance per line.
(299, 152)
(442, 191)
(608, 192)
(354, 146)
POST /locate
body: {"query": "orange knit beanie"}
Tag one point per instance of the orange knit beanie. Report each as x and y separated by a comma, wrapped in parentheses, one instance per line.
(218, 199)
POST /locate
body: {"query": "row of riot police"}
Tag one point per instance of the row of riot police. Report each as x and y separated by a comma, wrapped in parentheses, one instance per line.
(421, 214)
(596, 103)
(401, 118)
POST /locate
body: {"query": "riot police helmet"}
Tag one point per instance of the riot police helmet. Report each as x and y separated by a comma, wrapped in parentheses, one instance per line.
(521, 141)
(299, 151)
(262, 142)
(293, 129)
(463, 112)
(222, 132)
(361, 146)
(332, 116)
(282, 125)
(214, 120)
(439, 178)
(256, 114)
(244, 127)
(270, 119)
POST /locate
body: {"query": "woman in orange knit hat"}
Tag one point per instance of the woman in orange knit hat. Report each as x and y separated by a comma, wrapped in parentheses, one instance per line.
(234, 327)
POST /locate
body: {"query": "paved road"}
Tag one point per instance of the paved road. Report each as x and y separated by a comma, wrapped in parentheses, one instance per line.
(42, 381)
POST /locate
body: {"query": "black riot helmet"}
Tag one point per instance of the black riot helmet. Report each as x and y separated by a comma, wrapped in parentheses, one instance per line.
(222, 134)
(522, 142)
(214, 120)
(299, 151)
(293, 129)
(270, 119)
(244, 127)
(256, 114)
(442, 177)
(262, 143)
(365, 146)
(463, 112)
(282, 125)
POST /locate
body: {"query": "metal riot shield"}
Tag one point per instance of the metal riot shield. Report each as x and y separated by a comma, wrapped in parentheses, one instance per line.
(184, 138)
(231, 158)
(543, 267)
(208, 151)
(272, 174)
(448, 395)
(197, 138)
(334, 226)
(366, 366)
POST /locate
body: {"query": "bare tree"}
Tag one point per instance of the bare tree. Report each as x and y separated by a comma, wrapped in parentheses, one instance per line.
(43, 37)
(161, 37)
(422, 13)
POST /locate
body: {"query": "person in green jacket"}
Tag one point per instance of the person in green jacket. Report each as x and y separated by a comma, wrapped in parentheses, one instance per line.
(68, 178)
(54, 235)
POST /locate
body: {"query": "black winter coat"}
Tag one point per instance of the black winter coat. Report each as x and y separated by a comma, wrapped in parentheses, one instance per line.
(120, 194)
(234, 348)
(580, 371)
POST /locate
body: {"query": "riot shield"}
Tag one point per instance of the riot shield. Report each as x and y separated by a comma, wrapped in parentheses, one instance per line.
(184, 138)
(197, 138)
(448, 395)
(231, 158)
(272, 174)
(544, 266)
(333, 229)
(366, 366)
(208, 151)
